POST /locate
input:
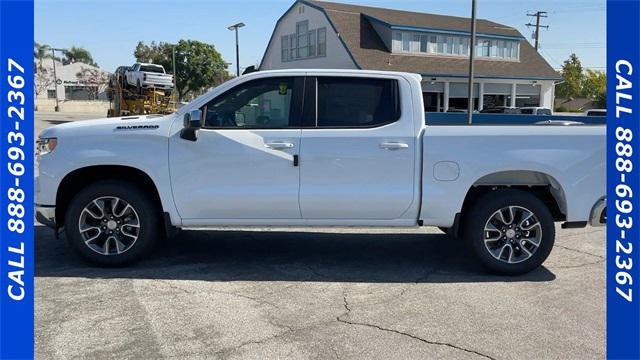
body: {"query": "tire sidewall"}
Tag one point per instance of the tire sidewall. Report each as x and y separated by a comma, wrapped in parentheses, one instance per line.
(136, 198)
(489, 204)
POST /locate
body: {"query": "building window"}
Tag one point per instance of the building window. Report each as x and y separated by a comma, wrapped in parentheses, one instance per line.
(396, 46)
(432, 47)
(322, 42)
(415, 43)
(424, 43)
(285, 48)
(406, 42)
(484, 48)
(302, 29)
(292, 47)
(51, 94)
(442, 45)
(452, 45)
(312, 43)
(304, 43)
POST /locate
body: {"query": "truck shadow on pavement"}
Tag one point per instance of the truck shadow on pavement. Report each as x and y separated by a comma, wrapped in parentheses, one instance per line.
(286, 256)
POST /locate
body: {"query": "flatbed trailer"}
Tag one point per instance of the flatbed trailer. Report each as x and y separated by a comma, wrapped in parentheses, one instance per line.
(125, 102)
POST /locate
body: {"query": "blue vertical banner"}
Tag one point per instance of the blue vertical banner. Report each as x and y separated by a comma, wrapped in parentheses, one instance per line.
(16, 179)
(623, 179)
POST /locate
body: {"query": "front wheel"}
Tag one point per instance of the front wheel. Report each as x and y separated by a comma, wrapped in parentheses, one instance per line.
(511, 232)
(112, 223)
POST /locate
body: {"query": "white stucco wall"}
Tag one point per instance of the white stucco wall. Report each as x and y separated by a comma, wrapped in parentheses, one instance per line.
(547, 94)
(337, 56)
(67, 74)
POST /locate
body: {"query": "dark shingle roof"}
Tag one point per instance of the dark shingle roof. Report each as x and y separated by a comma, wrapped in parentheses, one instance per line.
(370, 52)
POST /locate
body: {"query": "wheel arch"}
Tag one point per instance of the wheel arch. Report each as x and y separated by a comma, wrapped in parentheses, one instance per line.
(82, 177)
(542, 185)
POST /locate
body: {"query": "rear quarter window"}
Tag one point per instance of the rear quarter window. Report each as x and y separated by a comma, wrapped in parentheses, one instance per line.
(357, 102)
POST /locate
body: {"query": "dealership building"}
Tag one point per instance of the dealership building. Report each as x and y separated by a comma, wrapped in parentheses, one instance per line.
(509, 71)
(67, 82)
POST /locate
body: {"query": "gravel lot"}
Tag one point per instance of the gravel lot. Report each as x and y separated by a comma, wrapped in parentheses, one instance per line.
(333, 293)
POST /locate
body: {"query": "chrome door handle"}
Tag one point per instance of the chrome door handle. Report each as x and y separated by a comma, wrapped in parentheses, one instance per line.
(279, 145)
(392, 145)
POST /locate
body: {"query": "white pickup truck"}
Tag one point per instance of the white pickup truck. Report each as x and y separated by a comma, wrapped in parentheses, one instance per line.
(143, 76)
(318, 148)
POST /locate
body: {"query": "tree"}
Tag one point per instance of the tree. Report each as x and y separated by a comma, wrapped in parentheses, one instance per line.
(43, 80)
(95, 81)
(199, 65)
(595, 87)
(41, 52)
(78, 54)
(573, 78)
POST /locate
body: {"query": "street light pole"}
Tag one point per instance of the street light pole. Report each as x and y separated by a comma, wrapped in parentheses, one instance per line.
(472, 53)
(235, 28)
(55, 78)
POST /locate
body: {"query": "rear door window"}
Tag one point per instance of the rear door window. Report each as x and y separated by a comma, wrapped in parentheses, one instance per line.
(344, 102)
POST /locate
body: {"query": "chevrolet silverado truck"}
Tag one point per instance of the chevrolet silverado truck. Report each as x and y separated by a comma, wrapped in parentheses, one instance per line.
(318, 148)
(142, 76)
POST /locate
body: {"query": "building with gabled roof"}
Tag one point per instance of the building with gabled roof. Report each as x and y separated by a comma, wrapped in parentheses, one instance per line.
(509, 71)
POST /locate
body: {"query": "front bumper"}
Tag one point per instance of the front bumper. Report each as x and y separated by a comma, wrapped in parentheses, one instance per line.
(599, 213)
(46, 215)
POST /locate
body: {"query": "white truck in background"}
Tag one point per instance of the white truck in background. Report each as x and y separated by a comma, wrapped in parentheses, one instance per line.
(318, 148)
(143, 76)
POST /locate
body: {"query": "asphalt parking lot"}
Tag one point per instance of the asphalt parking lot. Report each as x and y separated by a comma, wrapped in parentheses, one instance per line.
(334, 293)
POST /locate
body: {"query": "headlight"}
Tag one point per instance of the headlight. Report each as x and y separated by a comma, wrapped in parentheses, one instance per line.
(45, 145)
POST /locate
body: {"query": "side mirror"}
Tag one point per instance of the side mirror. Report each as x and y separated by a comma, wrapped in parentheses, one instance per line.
(192, 123)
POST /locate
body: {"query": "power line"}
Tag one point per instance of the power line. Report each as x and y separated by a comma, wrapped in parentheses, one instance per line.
(538, 15)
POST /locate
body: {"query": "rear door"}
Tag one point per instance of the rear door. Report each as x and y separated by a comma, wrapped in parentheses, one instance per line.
(357, 156)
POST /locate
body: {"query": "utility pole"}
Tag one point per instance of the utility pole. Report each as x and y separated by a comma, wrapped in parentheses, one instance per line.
(538, 15)
(175, 75)
(472, 53)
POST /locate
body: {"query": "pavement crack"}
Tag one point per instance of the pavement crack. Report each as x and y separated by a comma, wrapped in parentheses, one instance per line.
(581, 265)
(224, 353)
(254, 299)
(341, 319)
(425, 275)
(579, 251)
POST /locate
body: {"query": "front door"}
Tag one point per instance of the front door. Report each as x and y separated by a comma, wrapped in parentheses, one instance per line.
(242, 164)
(358, 153)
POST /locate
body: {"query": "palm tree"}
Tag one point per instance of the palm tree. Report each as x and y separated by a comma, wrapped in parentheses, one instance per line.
(41, 52)
(78, 54)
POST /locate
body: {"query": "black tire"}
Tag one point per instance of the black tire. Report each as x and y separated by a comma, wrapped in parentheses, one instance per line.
(483, 210)
(139, 88)
(146, 210)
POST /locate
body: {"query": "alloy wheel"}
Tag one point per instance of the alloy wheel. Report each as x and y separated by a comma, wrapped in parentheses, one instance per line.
(512, 234)
(109, 225)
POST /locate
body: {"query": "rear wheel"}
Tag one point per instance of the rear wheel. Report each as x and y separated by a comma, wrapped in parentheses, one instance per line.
(511, 232)
(112, 223)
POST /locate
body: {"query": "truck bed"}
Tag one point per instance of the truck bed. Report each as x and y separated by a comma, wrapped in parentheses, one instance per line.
(456, 158)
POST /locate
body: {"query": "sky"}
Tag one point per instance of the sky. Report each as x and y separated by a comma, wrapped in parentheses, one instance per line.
(110, 30)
